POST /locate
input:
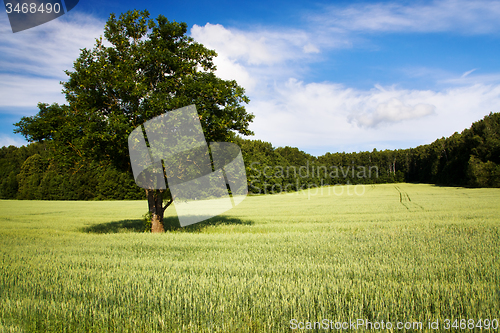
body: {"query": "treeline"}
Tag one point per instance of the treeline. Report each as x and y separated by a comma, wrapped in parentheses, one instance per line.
(285, 169)
(30, 173)
(470, 158)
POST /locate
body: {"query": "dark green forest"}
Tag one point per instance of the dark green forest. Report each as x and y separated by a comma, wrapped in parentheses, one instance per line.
(470, 158)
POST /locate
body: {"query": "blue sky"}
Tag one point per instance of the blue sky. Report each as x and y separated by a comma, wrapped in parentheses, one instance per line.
(321, 76)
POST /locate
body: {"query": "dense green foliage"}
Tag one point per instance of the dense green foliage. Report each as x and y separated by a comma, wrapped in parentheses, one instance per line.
(150, 66)
(30, 173)
(405, 252)
(471, 158)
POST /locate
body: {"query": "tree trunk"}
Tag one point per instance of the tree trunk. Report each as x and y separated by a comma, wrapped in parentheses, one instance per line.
(155, 203)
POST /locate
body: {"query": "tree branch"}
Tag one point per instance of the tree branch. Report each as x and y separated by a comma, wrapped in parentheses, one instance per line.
(168, 204)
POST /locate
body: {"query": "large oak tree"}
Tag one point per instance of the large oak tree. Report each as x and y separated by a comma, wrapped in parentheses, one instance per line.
(142, 69)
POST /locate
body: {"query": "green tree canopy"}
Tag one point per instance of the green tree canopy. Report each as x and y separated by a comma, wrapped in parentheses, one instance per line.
(145, 68)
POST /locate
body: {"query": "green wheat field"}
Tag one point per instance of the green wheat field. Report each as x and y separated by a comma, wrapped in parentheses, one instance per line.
(397, 253)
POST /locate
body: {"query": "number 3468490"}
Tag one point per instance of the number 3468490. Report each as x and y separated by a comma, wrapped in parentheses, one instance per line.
(33, 8)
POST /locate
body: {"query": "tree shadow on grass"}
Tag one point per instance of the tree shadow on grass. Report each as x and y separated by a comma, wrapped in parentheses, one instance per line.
(116, 227)
(171, 223)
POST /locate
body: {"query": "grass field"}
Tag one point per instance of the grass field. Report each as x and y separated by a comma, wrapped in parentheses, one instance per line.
(399, 253)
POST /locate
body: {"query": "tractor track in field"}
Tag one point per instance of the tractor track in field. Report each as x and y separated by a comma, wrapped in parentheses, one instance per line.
(405, 200)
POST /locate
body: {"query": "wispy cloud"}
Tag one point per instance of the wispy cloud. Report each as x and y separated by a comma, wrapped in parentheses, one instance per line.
(18, 92)
(6, 140)
(468, 79)
(462, 16)
(33, 61)
(468, 72)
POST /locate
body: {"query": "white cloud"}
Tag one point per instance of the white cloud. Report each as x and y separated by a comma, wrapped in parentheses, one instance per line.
(469, 17)
(6, 141)
(330, 116)
(253, 49)
(18, 92)
(33, 61)
(260, 47)
(393, 111)
(255, 58)
(231, 70)
(469, 80)
(467, 73)
(310, 48)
